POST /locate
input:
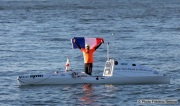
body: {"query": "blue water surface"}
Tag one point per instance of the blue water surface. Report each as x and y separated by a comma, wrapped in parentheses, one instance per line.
(35, 38)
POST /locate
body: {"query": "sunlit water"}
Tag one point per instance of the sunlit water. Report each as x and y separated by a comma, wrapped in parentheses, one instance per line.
(35, 38)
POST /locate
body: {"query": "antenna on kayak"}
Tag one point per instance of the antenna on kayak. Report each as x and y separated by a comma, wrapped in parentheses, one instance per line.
(108, 51)
(108, 48)
(113, 44)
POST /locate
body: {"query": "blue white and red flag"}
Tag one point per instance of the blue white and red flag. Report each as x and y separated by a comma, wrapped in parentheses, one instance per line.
(81, 41)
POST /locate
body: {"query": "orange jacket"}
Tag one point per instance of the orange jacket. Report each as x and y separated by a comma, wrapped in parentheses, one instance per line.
(88, 55)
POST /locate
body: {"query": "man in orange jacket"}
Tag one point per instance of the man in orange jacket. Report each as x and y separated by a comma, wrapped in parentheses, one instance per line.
(88, 56)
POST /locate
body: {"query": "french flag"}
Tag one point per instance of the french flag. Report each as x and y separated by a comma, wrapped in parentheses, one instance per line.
(81, 41)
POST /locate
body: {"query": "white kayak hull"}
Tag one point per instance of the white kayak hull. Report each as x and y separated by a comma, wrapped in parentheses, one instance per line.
(68, 79)
(115, 72)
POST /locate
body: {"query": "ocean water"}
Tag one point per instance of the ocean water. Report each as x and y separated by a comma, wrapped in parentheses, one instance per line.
(35, 38)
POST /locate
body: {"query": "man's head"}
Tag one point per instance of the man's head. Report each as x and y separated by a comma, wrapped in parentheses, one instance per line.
(87, 46)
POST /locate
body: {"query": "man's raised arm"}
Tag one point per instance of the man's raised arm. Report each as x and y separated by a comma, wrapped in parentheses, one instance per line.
(98, 45)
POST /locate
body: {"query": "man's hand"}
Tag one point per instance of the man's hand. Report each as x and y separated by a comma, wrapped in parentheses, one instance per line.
(102, 41)
(74, 40)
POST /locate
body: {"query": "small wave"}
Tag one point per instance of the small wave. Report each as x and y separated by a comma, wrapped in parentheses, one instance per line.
(56, 39)
(86, 7)
(2, 8)
(59, 39)
(13, 5)
(90, 20)
(175, 81)
(178, 89)
(13, 51)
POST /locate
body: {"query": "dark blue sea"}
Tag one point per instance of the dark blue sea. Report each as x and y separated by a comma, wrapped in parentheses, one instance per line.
(35, 38)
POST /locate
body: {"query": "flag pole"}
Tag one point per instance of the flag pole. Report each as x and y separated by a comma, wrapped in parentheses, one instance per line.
(67, 64)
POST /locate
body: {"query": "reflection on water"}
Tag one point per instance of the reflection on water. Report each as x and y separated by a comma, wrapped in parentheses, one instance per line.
(88, 94)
